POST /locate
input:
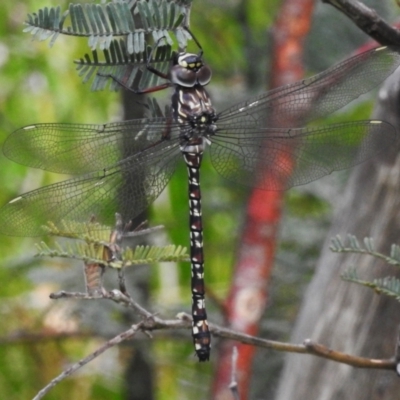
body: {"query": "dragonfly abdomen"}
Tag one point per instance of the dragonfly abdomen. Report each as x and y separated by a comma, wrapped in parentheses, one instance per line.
(200, 332)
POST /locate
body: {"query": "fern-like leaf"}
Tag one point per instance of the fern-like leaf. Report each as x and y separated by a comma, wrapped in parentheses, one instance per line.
(93, 253)
(389, 286)
(152, 254)
(46, 23)
(100, 23)
(338, 246)
(94, 238)
(127, 68)
(350, 275)
(91, 232)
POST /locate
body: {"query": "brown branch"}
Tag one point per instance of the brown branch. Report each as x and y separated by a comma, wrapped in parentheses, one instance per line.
(308, 347)
(151, 322)
(397, 354)
(344, 358)
(184, 321)
(367, 20)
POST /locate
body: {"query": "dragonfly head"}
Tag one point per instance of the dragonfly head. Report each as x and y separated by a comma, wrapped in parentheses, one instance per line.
(188, 70)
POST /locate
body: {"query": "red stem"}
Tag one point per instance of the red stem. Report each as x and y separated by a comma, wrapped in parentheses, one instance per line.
(248, 293)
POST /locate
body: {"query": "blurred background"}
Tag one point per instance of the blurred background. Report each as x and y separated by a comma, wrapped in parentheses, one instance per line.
(40, 337)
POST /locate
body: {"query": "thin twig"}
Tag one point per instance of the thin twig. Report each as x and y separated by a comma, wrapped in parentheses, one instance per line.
(112, 342)
(142, 232)
(152, 322)
(184, 321)
(121, 281)
(397, 353)
(233, 386)
(308, 347)
(62, 294)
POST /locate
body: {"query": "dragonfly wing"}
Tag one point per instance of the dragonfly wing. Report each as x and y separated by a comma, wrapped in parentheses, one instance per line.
(127, 187)
(319, 95)
(277, 159)
(81, 148)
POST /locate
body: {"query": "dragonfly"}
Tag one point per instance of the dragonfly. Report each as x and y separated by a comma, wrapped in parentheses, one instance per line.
(269, 141)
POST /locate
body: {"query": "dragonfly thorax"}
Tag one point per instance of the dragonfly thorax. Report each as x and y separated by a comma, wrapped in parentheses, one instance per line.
(188, 70)
(192, 108)
(198, 129)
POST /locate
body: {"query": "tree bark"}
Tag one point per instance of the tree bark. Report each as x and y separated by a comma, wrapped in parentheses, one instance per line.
(345, 316)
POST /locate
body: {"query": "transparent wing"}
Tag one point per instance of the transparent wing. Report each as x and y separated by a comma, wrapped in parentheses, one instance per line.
(277, 159)
(80, 148)
(127, 187)
(317, 96)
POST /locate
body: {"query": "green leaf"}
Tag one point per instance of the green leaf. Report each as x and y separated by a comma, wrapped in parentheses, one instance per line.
(101, 23)
(116, 65)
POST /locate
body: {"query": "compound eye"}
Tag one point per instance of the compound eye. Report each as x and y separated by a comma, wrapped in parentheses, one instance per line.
(204, 75)
(183, 76)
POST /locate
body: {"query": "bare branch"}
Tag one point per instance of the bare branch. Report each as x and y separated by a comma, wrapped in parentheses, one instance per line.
(112, 342)
(233, 386)
(355, 361)
(308, 347)
(397, 354)
(184, 321)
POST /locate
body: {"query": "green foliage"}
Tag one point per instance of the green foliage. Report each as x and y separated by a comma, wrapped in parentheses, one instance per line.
(101, 22)
(124, 59)
(93, 253)
(388, 285)
(355, 247)
(89, 244)
(123, 66)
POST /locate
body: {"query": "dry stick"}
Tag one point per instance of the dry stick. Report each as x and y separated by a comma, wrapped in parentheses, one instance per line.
(116, 340)
(309, 347)
(114, 249)
(114, 295)
(154, 323)
(183, 321)
(397, 354)
(145, 231)
(233, 386)
(121, 281)
(62, 294)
